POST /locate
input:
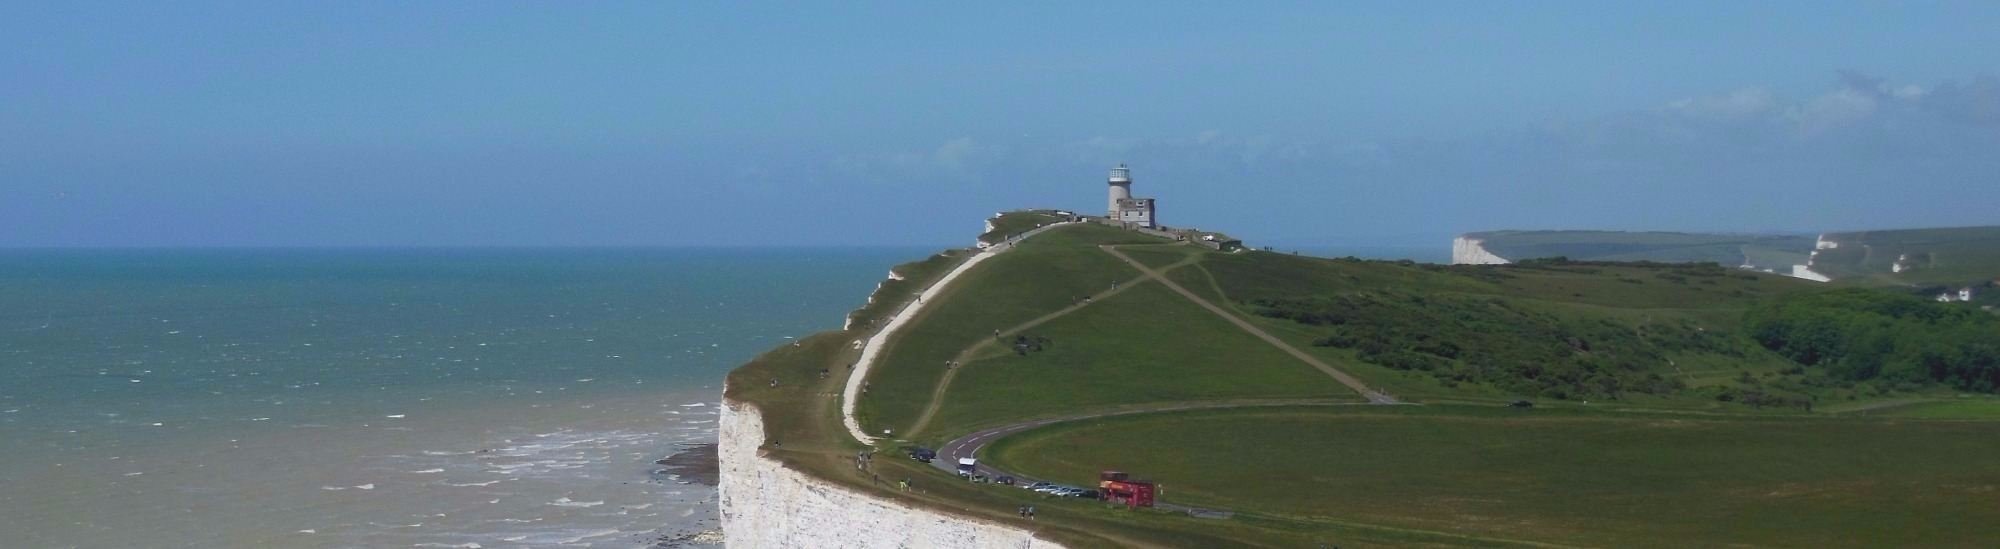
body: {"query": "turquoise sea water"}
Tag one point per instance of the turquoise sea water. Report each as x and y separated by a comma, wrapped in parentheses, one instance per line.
(381, 397)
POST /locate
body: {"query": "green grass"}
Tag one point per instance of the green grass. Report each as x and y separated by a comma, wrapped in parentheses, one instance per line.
(1692, 312)
(1041, 275)
(1162, 255)
(1622, 480)
(1145, 345)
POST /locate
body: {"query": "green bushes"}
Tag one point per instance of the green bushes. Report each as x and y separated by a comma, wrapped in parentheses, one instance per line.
(1458, 339)
(1863, 334)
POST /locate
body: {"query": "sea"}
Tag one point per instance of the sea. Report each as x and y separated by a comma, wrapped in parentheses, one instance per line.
(384, 398)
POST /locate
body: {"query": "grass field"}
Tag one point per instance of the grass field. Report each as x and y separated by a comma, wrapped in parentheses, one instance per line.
(1571, 478)
(1670, 306)
(1043, 274)
(1142, 346)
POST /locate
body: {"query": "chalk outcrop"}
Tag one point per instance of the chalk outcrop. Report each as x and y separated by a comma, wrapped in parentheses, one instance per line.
(1472, 251)
(1806, 272)
(765, 504)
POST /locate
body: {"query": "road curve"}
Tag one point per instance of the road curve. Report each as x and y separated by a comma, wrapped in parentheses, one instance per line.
(871, 350)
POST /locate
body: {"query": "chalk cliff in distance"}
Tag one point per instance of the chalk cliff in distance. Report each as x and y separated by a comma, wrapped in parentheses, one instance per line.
(1472, 251)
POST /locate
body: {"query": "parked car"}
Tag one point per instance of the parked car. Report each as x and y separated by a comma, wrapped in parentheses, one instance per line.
(1004, 479)
(1090, 494)
(1521, 404)
(923, 454)
(1036, 486)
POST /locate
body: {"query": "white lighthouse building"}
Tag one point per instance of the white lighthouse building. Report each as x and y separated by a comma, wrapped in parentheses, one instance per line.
(1132, 212)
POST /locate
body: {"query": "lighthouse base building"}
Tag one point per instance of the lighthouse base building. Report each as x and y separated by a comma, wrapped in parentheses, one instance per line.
(1137, 212)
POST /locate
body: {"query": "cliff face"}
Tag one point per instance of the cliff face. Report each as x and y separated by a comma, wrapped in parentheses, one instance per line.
(765, 504)
(1469, 251)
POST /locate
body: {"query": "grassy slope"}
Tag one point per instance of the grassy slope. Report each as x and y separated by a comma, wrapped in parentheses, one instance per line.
(1569, 478)
(1143, 346)
(1162, 255)
(1630, 296)
(1043, 274)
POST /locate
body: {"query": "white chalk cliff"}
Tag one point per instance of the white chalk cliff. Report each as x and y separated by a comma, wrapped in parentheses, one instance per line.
(1471, 251)
(1805, 271)
(765, 504)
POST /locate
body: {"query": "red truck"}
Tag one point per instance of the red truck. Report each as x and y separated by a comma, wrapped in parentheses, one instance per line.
(1118, 487)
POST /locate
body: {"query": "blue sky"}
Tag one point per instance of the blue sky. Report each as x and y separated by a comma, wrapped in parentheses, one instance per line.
(536, 124)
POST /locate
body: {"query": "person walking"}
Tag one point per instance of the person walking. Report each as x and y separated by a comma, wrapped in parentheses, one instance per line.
(1031, 512)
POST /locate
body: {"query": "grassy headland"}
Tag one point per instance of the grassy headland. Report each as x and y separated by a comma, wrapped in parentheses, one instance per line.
(1698, 429)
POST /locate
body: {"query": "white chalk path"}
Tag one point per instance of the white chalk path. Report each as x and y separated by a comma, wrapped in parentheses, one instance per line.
(873, 349)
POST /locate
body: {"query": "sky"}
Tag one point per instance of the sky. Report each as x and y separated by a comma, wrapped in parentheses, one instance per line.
(194, 124)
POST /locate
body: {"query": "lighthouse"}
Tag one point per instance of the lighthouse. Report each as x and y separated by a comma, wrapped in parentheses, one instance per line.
(1123, 209)
(1121, 188)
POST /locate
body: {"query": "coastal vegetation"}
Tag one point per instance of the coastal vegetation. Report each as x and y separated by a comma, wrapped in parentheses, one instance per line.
(1863, 335)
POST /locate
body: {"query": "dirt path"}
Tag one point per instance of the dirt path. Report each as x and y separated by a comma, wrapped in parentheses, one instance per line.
(1351, 382)
(968, 355)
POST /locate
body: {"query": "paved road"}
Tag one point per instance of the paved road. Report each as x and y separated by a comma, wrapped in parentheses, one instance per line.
(1351, 382)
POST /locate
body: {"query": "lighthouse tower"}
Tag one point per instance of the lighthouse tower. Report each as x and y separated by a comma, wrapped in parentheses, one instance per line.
(1121, 188)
